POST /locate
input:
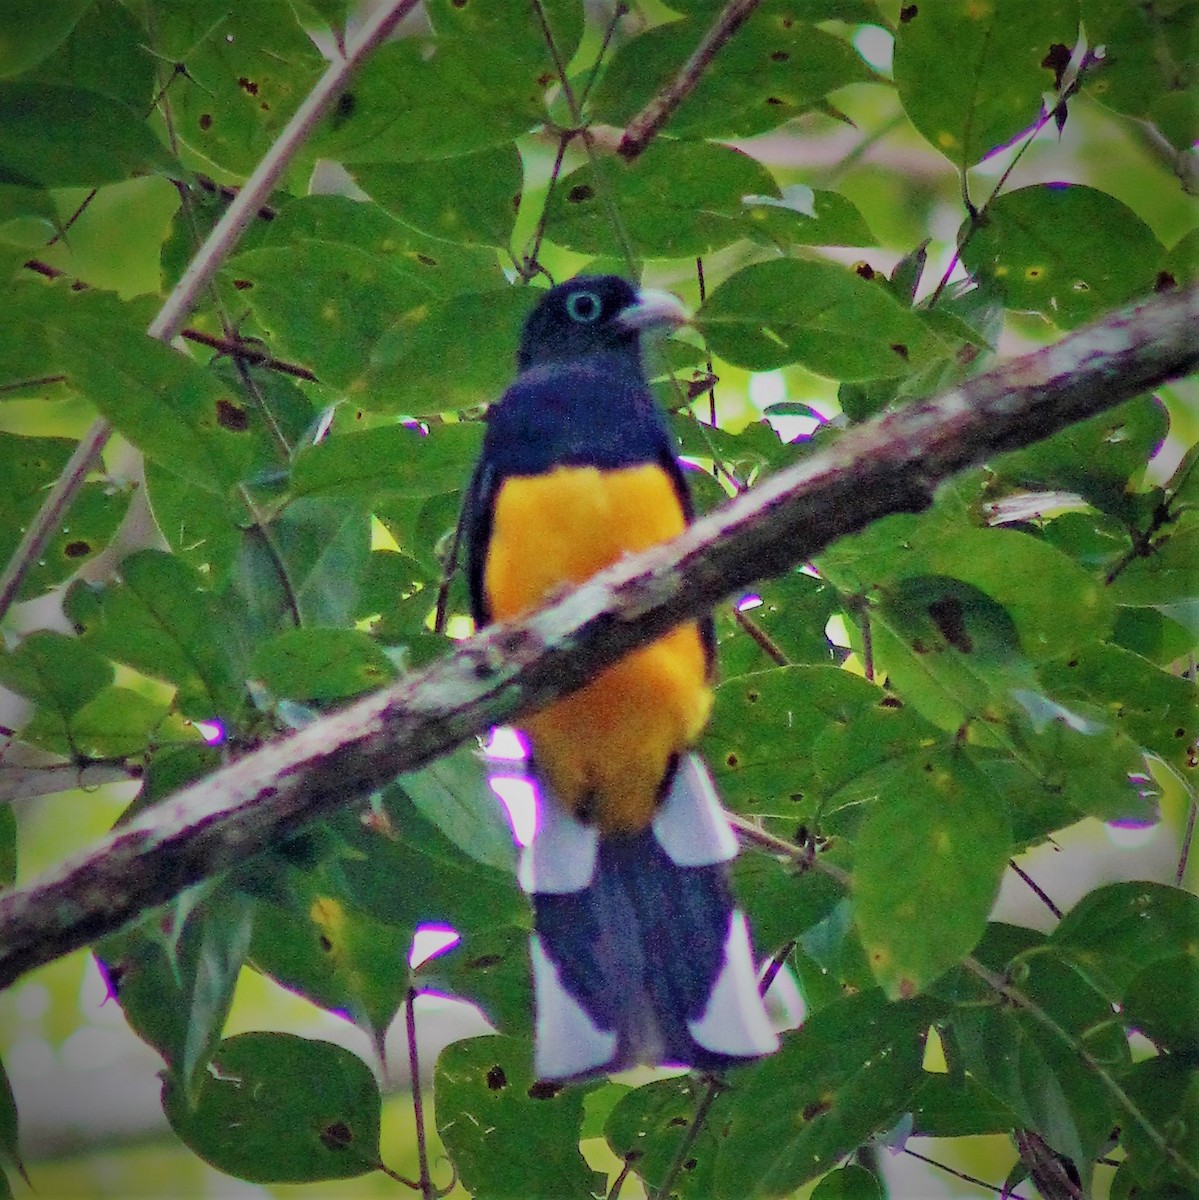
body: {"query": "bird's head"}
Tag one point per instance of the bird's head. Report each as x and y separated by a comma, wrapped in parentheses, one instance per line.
(593, 313)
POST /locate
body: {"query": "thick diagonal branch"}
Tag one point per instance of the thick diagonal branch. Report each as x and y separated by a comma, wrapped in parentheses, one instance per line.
(888, 465)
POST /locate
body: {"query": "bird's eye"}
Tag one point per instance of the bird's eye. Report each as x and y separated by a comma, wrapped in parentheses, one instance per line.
(583, 307)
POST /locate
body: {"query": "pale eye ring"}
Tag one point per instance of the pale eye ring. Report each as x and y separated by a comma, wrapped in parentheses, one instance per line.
(583, 307)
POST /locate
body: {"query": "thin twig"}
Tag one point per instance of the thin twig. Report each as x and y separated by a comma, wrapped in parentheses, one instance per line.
(804, 857)
(765, 642)
(976, 214)
(1039, 891)
(241, 350)
(428, 1191)
(199, 274)
(1013, 995)
(1188, 838)
(575, 108)
(640, 131)
(714, 1088)
(962, 1175)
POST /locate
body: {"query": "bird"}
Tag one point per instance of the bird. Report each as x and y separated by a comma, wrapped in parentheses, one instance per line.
(639, 953)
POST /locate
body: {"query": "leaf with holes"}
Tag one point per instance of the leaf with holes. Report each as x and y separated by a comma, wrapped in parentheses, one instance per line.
(277, 1108)
(488, 1100)
(167, 406)
(678, 198)
(970, 78)
(775, 68)
(1063, 250)
(331, 324)
(850, 1072)
(818, 314)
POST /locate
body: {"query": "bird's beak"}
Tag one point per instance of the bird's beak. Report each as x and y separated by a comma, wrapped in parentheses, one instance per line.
(653, 309)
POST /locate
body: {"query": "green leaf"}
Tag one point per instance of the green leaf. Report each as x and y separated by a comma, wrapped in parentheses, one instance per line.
(764, 725)
(1065, 251)
(174, 978)
(339, 957)
(804, 216)
(467, 343)
(88, 528)
(55, 672)
(1053, 603)
(1148, 69)
(10, 1153)
(160, 620)
(647, 1124)
(120, 723)
(849, 1183)
(420, 98)
(949, 1105)
(1116, 931)
(775, 68)
(677, 198)
(8, 845)
(970, 78)
(321, 664)
(514, 34)
(1162, 1002)
(32, 29)
(1166, 1089)
(453, 793)
(1181, 264)
(470, 198)
(1166, 574)
(57, 136)
(793, 613)
(248, 67)
(930, 853)
(304, 567)
(349, 299)
(445, 268)
(849, 1072)
(487, 1101)
(105, 52)
(202, 530)
(816, 313)
(175, 411)
(281, 1109)
(1154, 708)
(490, 968)
(390, 458)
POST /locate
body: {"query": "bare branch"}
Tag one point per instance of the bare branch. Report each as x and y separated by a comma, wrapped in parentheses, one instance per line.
(199, 274)
(640, 131)
(888, 465)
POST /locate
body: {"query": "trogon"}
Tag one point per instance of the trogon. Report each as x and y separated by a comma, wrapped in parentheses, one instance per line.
(639, 953)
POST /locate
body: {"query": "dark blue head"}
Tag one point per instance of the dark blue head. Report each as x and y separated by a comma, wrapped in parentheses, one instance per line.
(591, 314)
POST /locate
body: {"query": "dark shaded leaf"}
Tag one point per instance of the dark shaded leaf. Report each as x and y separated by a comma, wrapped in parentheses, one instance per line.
(281, 1109)
(488, 1100)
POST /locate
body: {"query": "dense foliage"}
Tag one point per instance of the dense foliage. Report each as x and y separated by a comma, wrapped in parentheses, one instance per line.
(267, 535)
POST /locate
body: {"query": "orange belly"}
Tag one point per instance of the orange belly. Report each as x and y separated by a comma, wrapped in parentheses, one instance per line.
(604, 750)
